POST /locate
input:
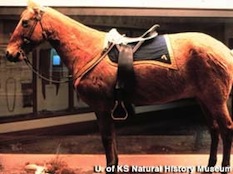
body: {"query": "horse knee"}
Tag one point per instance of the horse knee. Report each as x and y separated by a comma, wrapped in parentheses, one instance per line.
(228, 130)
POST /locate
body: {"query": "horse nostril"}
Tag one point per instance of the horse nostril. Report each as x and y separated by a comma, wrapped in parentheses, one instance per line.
(9, 56)
(13, 57)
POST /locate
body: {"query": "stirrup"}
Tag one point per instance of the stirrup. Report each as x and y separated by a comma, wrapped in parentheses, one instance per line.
(119, 111)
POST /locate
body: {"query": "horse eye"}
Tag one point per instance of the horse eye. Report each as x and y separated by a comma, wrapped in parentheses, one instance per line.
(25, 23)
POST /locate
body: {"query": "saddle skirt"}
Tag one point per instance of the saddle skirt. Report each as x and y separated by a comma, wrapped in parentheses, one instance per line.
(157, 49)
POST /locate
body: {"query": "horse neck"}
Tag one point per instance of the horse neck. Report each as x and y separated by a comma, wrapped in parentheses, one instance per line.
(76, 43)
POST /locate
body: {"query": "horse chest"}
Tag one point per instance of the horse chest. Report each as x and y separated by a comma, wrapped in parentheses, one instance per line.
(96, 88)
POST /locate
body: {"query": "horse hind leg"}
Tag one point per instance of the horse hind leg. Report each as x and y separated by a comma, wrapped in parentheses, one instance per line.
(214, 134)
(220, 115)
(226, 127)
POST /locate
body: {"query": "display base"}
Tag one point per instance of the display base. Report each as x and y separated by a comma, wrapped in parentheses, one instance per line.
(87, 164)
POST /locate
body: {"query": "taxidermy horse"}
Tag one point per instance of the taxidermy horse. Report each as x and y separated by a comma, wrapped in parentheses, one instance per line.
(204, 71)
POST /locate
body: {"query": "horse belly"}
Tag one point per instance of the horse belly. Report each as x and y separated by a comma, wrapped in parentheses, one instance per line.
(158, 85)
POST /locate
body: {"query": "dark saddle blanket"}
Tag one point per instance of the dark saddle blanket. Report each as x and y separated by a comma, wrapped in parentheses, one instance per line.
(153, 49)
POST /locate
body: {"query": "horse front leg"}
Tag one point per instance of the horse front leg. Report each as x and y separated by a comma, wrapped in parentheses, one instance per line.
(108, 134)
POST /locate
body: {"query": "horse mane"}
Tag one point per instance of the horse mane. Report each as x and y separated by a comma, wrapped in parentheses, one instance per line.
(65, 19)
(83, 33)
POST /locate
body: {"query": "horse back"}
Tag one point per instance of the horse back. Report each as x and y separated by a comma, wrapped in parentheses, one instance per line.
(203, 63)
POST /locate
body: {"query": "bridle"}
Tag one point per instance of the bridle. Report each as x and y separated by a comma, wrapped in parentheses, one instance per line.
(27, 41)
(27, 37)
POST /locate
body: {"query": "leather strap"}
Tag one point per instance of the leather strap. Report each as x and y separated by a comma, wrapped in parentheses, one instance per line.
(124, 84)
(125, 73)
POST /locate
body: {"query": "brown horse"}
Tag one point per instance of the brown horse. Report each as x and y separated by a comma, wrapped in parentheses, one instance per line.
(204, 72)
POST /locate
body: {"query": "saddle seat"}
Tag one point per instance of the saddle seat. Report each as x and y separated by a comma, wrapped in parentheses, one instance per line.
(113, 36)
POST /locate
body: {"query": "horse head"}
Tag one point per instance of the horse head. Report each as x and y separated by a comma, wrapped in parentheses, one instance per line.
(28, 33)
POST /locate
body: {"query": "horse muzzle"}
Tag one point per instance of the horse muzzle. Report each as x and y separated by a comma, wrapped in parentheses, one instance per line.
(15, 57)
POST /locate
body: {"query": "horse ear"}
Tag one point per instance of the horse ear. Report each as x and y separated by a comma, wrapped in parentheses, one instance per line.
(33, 4)
(36, 7)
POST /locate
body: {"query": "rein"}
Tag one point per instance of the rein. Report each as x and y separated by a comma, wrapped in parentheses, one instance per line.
(79, 75)
(35, 71)
(88, 67)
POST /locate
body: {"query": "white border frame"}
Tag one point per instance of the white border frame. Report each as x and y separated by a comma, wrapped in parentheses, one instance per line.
(187, 4)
